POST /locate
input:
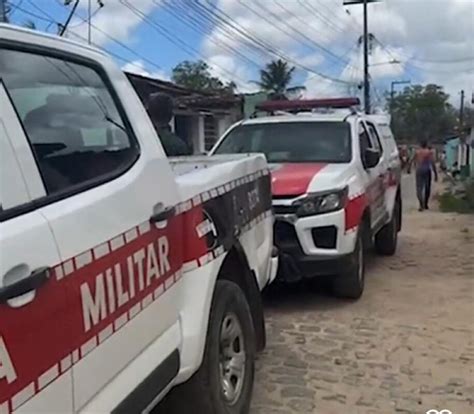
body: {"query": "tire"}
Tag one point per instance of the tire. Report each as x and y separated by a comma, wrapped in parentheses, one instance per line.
(204, 391)
(350, 285)
(387, 238)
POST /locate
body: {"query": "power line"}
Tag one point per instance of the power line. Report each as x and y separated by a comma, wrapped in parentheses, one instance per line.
(346, 53)
(300, 20)
(307, 41)
(421, 68)
(98, 46)
(39, 9)
(192, 11)
(113, 54)
(169, 8)
(260, 44)
(331, 22)
(36, 16)
(13, 8)
(228, 25)
(96, 11)
(165, 33)
(123, 45)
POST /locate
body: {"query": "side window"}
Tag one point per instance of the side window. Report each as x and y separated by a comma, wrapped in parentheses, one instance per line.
(70, 118)
(375, 137)
(364, 139)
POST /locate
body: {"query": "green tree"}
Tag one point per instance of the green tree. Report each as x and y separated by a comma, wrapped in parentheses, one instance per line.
(197, 76)
(276, 78)
(421, 112)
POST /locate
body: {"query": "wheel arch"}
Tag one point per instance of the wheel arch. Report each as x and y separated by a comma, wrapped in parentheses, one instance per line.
(235, 268)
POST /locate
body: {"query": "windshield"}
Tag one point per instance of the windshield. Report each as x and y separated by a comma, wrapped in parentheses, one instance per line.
(292, 141)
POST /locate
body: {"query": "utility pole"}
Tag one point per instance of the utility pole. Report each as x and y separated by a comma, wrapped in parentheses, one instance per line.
(366, 49)
(3, 11)
(366, 62)
(392, 90)
(461, 113)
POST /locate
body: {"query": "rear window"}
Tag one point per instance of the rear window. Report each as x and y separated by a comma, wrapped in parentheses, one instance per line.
(292, 141)
(71, 120)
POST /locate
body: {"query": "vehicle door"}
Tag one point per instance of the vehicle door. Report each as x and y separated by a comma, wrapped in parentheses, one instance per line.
(34, 331)
(392, 164)
(373, 176)
(109, 194)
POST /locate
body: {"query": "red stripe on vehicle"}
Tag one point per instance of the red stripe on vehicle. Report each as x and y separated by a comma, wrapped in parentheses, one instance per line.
(91, 296)
(354, 211)
(294, 179)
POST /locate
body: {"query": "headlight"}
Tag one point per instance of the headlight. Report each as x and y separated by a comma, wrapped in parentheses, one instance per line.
(319, 203)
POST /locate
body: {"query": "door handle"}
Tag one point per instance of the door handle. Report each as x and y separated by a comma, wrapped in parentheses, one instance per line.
(163, 215)
(35, 280)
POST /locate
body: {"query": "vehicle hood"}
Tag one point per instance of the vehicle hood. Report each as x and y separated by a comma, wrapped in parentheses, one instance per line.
(294, 179)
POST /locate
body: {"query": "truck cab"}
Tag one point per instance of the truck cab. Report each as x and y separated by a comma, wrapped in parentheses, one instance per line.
(335, 182)
(123, 274)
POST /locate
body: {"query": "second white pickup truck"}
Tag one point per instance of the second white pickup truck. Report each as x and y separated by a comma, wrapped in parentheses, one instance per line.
(122, 273)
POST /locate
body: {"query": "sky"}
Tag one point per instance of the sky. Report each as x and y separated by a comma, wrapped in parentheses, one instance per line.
(421, 41)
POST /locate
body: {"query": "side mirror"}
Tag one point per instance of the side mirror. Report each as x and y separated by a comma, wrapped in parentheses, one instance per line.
(371, 158)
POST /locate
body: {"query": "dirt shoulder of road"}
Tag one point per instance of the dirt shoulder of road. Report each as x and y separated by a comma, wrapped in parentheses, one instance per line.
(407, 346)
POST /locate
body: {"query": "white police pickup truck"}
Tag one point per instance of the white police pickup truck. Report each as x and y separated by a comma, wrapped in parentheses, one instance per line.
(336, 186)
(122, 273)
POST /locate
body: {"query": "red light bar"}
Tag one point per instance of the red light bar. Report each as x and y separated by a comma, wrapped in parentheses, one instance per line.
(304, 104)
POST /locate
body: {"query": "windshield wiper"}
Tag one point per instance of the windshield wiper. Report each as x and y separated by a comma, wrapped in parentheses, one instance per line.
(115, 123)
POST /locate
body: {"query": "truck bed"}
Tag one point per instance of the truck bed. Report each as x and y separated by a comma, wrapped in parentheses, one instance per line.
(198, 174)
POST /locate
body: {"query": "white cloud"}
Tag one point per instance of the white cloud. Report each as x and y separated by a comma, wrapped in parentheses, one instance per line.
(115, 18)
(227, 68)
(138, 67)
(318, 87)
(411, 31)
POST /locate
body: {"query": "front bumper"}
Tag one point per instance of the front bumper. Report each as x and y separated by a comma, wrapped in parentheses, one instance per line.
(313, 246)
(295, 268)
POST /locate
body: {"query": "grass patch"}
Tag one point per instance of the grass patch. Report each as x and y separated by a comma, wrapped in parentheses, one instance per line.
(462, 202)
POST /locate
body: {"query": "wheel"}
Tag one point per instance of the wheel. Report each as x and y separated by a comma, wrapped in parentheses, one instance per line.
(387, 237)
(350, 284)
(224, 382)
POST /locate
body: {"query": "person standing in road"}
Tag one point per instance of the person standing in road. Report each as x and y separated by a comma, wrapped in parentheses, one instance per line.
(425, 165)
(160, 110)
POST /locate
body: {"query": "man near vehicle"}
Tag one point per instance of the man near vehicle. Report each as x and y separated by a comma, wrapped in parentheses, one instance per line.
(160, 109)
(425, 164)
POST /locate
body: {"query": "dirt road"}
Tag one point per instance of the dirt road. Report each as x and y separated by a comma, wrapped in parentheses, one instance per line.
(407, 346)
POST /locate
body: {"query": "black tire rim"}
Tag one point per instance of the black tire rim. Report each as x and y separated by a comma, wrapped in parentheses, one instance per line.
(232, 358)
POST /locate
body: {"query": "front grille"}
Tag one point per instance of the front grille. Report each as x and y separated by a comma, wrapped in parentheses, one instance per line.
(325, 237)
(284, 210)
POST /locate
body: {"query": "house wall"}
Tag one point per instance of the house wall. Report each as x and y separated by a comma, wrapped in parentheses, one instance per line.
(202, 130)
(451, 148)
(215, 125)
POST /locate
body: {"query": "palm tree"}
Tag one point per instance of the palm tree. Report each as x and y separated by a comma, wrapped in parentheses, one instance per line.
(276, 78)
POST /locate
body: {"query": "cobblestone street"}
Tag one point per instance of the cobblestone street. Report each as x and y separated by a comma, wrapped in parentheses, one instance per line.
(407, 346)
